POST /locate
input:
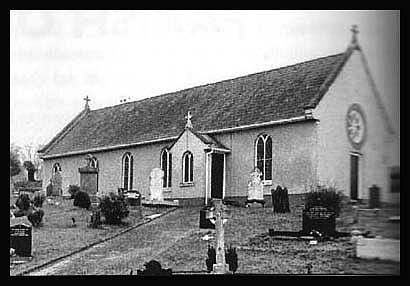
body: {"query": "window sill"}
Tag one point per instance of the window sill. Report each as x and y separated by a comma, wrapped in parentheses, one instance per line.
(182, 185)
(167, 190)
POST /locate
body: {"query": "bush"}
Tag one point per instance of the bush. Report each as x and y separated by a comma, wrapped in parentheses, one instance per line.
(324, 196)
(23, 202)
(36, 217)
(114, 208)
(73, 189)
(96, 219)
(82, 200)
(38, 200)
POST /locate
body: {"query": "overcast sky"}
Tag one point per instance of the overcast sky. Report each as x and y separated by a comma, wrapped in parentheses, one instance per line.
(59, 57)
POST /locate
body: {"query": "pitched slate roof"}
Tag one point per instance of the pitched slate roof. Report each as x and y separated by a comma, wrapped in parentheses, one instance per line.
(271, 95)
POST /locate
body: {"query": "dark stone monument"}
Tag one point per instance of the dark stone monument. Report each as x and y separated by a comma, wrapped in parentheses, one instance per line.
(280, 200)
(21, 239)
(89, 183)
(205, 216)
(134, 200)
(374, 197)
(320, 219)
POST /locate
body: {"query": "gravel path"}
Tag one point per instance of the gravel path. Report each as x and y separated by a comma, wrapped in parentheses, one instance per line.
(130, 250)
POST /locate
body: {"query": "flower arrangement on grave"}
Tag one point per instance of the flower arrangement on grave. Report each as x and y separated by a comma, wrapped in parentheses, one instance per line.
(95, 221)
(231, 258)
(82, 200)
(73, 189)
(211, 260)
(23, 202)
(114, 208)
(38, 199)
(35, 217)
(325, 196)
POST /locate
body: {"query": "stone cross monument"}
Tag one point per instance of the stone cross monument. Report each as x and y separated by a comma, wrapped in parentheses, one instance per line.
(220, 267)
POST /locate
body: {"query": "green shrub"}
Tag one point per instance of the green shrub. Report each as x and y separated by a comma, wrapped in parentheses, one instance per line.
(38, 200)
(82, 200)
(36, 217)
(23, 202)
(114, 208)
(324, 196)
(73, 189)
(96, 219)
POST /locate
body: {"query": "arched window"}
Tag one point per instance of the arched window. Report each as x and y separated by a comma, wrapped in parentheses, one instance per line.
(56, 168)
(187, 167)
(166, 166)
(127, 171)
(263, 158)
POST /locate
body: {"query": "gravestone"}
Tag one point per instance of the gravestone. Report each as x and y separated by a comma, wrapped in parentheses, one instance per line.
(320, 219)
(255, 187)
(280, 200)
(56, 181)
(156, 185)
(205, 216)
(220, 267)
(21, 239)
(89, 183)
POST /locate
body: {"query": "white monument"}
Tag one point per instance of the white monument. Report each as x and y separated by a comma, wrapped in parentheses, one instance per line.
(220, 267)
(255, 186)
(156, 185)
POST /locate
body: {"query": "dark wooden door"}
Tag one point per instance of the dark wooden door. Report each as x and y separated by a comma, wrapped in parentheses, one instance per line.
(354, 176)
(217, 174)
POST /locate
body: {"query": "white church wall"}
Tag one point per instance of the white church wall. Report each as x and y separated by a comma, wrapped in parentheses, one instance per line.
(352, 86)
(294, 157)
(188, 142)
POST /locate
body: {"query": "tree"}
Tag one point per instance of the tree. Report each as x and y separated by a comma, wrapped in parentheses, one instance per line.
(31, 169)
(15, 166)
(30, 154)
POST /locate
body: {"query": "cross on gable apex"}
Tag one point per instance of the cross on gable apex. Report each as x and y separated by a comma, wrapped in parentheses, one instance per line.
(188, 120)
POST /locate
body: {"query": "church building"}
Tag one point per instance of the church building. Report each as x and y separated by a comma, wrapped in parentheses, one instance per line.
(317, 122)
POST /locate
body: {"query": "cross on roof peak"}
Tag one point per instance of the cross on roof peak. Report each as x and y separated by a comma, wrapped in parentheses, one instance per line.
(354, 31)
(87, 99)
(188, 120)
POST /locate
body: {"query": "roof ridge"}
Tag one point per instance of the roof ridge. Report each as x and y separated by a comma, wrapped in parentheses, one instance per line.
(221, 81)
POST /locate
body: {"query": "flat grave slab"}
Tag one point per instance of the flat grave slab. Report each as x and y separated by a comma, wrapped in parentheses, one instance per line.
(165, 203)
(381, 248)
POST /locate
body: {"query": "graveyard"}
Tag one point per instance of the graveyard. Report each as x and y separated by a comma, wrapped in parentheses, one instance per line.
(59, 235)
(177, 242)
(319, 232)
(247, 230)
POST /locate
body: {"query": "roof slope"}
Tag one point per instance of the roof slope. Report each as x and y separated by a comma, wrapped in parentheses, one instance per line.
(271, 95)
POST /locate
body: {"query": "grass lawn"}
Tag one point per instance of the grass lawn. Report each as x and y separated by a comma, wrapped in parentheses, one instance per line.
(258, 253)
(58, 237)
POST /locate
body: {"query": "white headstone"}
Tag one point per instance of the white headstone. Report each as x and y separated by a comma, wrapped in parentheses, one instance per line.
(255, 186)
(156, 185)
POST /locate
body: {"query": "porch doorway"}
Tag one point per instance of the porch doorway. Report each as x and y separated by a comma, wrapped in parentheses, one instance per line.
(354, 176)
(217, 175)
